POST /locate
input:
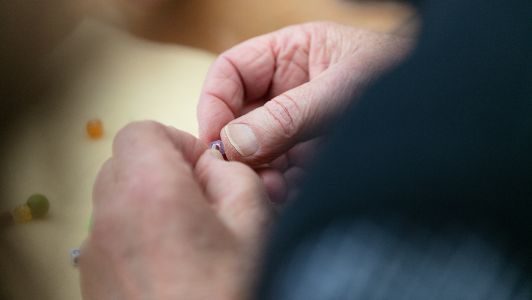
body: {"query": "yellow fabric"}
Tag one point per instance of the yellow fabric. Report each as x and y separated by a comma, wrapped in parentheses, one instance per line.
(108, 75)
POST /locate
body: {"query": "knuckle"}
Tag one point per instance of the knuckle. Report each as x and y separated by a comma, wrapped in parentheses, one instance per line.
(129, 132)
(320, 27)
(142, 186)
(146, 186)
(285, 113)
(138, 183)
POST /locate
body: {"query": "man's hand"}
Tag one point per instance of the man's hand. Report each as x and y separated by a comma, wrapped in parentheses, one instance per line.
(267, 96)
(172, 221)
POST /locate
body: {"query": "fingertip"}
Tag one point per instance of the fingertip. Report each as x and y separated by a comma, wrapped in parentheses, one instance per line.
(189, 145)
(230, 151)
(241, 144)
(257, 137)
(208, 159)
(214, 154)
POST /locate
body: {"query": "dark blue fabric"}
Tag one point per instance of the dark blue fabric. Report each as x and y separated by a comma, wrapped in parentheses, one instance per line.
(446, 138)
(362, 259)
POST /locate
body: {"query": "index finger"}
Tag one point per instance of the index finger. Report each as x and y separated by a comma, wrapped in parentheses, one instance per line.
(241, 74)
(152, 162)
(147, 140)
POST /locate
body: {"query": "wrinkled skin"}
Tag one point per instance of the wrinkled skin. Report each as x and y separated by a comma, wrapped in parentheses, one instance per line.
(287, 86)
(172, 221)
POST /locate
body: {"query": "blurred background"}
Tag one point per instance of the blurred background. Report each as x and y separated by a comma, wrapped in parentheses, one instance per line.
(63, 62)
(30, 29)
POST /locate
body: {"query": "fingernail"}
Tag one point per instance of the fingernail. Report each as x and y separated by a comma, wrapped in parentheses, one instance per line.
(241, 136)
(216, 154)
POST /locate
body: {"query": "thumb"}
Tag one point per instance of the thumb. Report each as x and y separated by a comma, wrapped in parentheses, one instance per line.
(297, 115)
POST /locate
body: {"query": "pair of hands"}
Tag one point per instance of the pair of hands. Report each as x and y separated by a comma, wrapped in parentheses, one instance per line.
(172, 220)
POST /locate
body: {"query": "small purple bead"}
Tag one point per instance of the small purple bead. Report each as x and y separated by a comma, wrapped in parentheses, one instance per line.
(74, 256)
(218, 145)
